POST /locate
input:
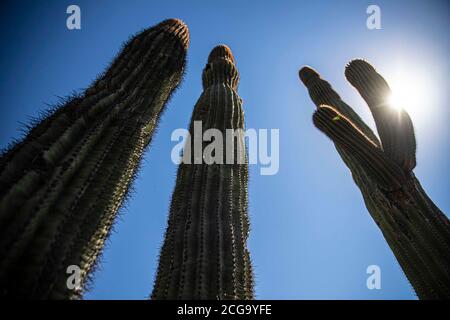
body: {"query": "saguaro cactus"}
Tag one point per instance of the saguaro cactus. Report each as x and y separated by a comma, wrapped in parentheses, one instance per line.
(204, 255)
(415, 229)
(62, 185)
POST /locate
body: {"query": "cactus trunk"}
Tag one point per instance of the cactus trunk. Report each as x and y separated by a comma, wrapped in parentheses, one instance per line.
(417, 232)
(204, 254)
(62, 186)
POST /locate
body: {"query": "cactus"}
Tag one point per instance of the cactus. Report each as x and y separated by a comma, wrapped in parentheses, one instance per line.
(62, 185)
(417, 232)
(204, 254)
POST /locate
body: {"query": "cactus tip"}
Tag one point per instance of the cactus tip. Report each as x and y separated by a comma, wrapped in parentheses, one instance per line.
(173, 21)
(357, 66)
(177, 27)
(221, 51)
(306, 73)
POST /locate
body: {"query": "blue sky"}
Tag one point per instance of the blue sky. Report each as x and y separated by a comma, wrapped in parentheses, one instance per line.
(312, 237)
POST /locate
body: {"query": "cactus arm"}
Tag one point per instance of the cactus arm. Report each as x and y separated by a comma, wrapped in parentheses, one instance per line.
(322, 93)
(393, 125)
(348, 137)
(417, 232)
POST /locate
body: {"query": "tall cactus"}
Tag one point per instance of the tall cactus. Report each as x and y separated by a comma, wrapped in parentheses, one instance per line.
(62, 185)
(415, 229)
(204, 255)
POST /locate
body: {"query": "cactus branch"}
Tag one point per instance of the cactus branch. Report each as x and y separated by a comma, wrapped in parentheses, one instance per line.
(393, 125)
(415, 229)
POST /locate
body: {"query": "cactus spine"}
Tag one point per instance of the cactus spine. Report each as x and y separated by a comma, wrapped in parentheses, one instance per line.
(416, 230)
(204, 255)
(62, 185)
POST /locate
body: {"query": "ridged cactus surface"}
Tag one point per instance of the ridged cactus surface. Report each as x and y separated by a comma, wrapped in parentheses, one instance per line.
(415, 229)
(62, 185)
(204, 255)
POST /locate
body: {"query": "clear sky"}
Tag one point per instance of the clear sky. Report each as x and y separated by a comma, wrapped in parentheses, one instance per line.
(311, 237)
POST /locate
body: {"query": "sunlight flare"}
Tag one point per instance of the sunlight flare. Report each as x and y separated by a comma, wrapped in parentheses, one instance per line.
(410, 91)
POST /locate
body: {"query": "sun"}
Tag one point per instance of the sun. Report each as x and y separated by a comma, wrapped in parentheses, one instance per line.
(410, 92)
(407, 93)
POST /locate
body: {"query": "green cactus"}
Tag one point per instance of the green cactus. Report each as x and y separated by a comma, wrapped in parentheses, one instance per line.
(204, 255)
(62, 185)
(417, 232)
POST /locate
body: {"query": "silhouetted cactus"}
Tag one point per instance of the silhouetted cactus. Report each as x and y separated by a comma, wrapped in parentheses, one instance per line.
(415, 229)
(204, 255)
(62, 185)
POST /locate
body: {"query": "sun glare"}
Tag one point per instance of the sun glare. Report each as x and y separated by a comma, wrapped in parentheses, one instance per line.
(410, 92)
(418, 88)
